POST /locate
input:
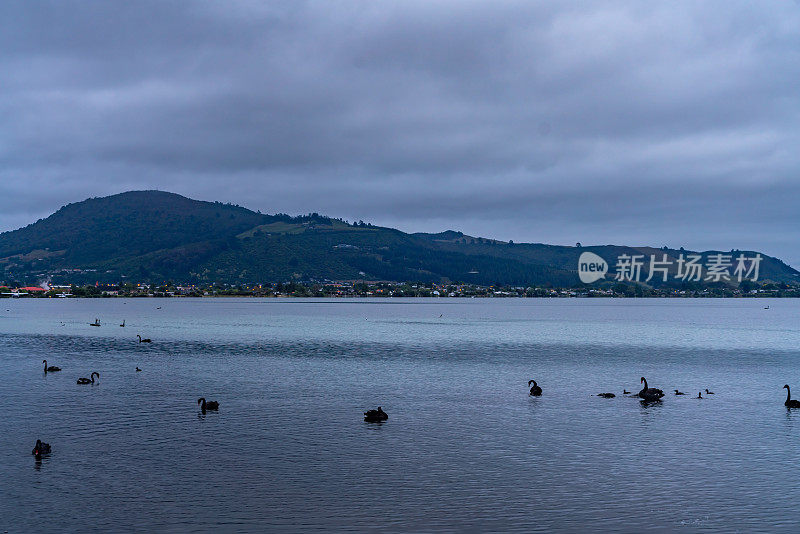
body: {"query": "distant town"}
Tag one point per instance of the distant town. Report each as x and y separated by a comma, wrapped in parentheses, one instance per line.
(358, 288)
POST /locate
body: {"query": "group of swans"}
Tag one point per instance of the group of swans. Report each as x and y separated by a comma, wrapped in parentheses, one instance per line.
(97, 323)
(210, 405)
(53, 369)
(647, 394)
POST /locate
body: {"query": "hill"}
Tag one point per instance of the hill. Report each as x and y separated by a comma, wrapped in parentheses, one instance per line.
(156, 236)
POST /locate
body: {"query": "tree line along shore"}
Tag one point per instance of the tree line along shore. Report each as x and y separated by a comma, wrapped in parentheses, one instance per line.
(395, 289)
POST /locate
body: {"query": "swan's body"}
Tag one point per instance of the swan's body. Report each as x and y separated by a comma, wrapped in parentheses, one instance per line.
(145, 340)
(536, 391)
(790, 402)
(87, 380)
(650, 394)
(210, 405)
(709, 392)
(375, 416)
(41, 448)
(679, 392)
(51, 369)
(606, 395)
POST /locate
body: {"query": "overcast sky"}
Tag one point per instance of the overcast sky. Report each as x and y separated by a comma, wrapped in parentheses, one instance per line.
(638, 123)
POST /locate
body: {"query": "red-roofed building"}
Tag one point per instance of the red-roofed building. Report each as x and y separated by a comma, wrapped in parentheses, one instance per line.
(29, 289)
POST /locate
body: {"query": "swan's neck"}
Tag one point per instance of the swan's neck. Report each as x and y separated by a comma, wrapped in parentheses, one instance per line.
(788, 394)
(645, 385)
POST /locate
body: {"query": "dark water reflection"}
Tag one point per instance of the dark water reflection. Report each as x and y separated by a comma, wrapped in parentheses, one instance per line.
(465, 448)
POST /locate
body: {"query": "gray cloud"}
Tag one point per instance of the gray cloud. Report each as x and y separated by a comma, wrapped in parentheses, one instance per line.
(621, 122)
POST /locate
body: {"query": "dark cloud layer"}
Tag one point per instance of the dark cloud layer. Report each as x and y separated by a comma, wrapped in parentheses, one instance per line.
(617, 122)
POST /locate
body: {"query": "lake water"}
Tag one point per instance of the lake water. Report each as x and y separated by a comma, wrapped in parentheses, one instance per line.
(465, 448)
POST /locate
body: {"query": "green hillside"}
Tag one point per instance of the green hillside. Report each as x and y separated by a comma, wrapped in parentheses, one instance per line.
(156, 236)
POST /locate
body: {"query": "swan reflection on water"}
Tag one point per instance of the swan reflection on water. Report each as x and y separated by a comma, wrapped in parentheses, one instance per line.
(650, 403)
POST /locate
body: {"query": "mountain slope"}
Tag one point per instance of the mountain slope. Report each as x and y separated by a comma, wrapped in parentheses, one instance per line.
(155, 236)
(128, 225)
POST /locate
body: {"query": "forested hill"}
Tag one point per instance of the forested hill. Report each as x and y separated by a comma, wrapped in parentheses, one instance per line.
(157, 236)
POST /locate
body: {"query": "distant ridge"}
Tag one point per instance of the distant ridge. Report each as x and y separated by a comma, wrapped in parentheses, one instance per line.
(156, 236)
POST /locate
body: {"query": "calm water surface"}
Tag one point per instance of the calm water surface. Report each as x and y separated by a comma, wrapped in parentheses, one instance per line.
(465, 447)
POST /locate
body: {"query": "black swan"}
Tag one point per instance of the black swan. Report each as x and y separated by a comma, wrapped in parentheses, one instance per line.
(41, 448)
(88, 381)
(709, 392)
(210, 405)
(699, 395)
(679, 392)
(137, 369)
(790, 402)
(145, 340)
(625, 391)
(96, 322)
(650, 394)
(51, 369)
(536, 391)
(123, 323)
(375, 416)
(606, 395)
